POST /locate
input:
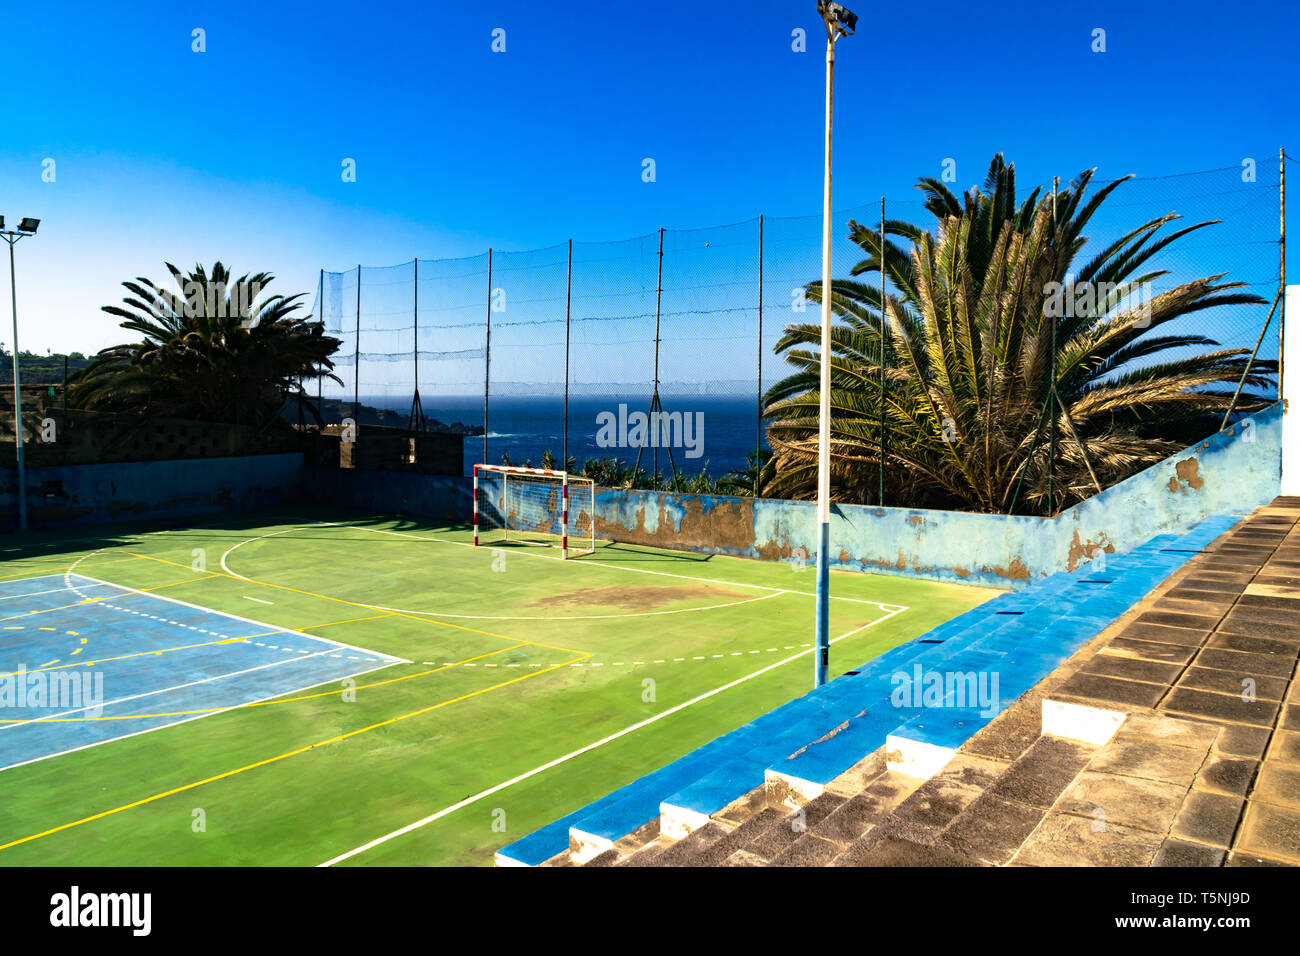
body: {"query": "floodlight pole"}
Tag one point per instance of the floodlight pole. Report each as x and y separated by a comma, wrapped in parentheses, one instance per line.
(821, 643)
(12, 238)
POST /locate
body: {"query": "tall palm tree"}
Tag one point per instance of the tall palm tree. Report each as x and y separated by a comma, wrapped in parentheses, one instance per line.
(969, 364)
(216, 350)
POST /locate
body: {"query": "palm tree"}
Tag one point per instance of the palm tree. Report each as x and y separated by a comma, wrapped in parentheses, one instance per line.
(214, 351)
(969, 366)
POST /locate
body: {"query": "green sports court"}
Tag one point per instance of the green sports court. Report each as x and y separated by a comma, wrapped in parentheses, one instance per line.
(476, 694)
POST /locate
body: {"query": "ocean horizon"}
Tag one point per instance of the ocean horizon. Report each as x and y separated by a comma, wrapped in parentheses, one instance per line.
(720, 436)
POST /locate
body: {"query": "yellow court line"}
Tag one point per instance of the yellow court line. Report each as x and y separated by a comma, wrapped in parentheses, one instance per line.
(124, 657)
(373, 617)
(85, 601)
(266, 703)
(326, 597)
(284, 756)
(60, 559)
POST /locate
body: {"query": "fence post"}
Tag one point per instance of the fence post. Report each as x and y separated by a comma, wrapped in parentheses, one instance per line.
(320, 378)
(884, 324)
(1281, 317)
(487, 360)
(568, 313)
(356, 366)
(758, 427)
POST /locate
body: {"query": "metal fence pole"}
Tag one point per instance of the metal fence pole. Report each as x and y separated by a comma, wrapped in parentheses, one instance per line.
(356, 365)
(1281, 317)
(321, 378)
(758, 427)
(487, 360)
(883, 325)
(568, 313)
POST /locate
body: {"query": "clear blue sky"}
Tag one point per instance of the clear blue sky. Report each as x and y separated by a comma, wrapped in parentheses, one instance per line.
(235, 153)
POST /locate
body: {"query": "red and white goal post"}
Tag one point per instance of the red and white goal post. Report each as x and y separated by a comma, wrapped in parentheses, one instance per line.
(534, 506)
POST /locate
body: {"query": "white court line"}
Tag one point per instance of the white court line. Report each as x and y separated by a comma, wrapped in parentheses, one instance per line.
(246, 620)
(177, 723)
(582, 750)
(10, 597)
(161, 690)
(892, 608)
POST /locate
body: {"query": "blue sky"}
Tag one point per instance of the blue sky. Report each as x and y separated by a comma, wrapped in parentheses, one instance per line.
(235, 153)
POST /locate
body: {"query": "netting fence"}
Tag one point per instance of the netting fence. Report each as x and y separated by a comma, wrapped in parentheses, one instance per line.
(555, 350)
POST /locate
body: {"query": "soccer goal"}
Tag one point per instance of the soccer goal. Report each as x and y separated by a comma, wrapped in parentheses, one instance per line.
(534, 506)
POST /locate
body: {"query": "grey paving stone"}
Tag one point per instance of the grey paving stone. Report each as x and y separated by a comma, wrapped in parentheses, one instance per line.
(1176, 852)
(990, 830)
(895, 852)
(1233, 682)
(1043, 772)
(1113, 690)
(1150, 760)
(1150, 650)
(852, 819)
(1231, 776)
(1237, 740)
(1264, 665)
(1208, 818)
(1271, 832)
(1128, 801)
(808, 850)
(1063, 839)
(1223, 707)
(1170, 730)
(1129, 668)
(1278, 784)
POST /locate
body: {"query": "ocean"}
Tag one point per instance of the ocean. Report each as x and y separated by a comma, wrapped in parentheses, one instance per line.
(720, 433)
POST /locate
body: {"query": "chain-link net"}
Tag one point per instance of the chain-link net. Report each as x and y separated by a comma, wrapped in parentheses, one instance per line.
(584, 332)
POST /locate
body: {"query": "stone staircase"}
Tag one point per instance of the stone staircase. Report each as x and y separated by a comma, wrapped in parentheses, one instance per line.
(1131, 776)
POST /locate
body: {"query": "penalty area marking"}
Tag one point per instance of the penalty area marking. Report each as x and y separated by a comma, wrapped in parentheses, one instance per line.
(582, 750)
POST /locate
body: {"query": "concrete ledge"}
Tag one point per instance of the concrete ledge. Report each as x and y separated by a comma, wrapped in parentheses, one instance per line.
(585, 846)
(781, 787)
(678, 822)
(501, 859)
(1089, 725)
(916, 758)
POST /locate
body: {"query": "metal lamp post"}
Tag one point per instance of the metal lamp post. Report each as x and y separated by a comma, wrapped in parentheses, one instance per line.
(839, 22)
(26, 227)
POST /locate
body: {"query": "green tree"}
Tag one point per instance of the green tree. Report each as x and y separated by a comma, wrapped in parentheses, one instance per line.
(969, 363)
(216, 350)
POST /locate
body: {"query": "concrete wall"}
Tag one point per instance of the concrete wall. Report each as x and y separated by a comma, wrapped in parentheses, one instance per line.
(1228, 473)
(446, 497)
(94, 494)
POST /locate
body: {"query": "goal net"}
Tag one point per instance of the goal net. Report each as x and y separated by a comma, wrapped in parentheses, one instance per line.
(534, 506)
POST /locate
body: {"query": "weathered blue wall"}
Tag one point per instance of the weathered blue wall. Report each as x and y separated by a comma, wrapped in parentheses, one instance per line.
(94, 494)
(1230, 472)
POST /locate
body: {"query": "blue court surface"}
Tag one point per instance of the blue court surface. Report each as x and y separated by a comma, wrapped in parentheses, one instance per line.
(83, 662)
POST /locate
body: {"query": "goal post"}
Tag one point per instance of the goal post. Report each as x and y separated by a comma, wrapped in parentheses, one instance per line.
(535, 506)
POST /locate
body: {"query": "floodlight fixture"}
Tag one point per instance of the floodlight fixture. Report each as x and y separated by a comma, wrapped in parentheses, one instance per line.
(840, 21)
(28, 225)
